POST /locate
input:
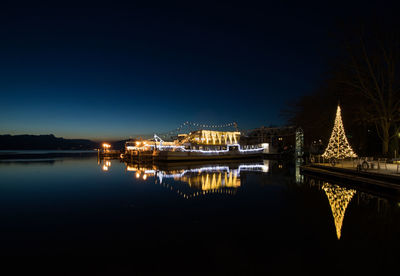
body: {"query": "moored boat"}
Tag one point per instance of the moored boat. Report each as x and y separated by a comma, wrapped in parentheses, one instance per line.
(197, 145)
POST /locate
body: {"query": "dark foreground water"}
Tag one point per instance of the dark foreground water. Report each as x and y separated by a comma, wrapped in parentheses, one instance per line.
(226, 219)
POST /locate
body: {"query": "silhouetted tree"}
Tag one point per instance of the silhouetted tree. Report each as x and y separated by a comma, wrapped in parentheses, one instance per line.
(371, 70)
(364, 76)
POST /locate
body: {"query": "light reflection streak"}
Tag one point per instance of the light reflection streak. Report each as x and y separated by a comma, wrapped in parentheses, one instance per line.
(254, 167)
(339, 198)
(205, 180)
(106, 165)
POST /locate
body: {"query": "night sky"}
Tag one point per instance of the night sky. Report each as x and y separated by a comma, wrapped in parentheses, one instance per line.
(111, 72)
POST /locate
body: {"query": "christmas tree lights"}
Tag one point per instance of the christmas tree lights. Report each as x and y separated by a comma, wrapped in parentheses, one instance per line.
(339, 198)
(338, 146)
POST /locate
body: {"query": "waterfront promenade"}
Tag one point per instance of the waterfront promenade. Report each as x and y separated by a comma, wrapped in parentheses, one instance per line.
(374, 166)
(378, 174)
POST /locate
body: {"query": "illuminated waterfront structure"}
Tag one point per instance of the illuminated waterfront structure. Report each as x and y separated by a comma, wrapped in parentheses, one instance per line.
(196, 145)
(106, 146)
(279, 139)
(339, 198)
(212, 137)
(299, 144)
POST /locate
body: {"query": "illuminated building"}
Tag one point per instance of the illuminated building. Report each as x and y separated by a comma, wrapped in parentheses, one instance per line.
(279, 139)
(212, 137)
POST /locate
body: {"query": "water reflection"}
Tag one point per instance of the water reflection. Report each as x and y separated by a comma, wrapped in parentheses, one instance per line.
(339, 198)
(55, 208)
(105, 164)
(201, 179)
(212, 180)
(377, 204)
(299, 177)
(190, 180)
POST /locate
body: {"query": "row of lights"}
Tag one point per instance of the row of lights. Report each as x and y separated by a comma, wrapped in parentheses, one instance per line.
(203, 125)
(186, 196)
(106, 146)
(214, 151)
(106, 165)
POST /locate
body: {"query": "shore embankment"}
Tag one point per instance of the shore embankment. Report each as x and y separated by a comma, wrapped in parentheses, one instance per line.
(387, 177)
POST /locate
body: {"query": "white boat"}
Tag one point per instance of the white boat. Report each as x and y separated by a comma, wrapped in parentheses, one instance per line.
(197, 145)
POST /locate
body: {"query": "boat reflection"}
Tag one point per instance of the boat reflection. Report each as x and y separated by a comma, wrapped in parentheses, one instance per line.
(212, 181)
(199, 178)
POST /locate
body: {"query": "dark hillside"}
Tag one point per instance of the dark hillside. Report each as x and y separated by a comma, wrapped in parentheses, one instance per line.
(44, 142)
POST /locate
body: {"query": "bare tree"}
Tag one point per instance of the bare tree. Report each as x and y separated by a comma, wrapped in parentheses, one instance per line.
(372, 72)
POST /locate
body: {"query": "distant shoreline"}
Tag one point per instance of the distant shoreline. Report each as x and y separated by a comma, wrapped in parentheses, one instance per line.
(38, 154)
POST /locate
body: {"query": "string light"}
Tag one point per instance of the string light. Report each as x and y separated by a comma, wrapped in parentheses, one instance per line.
(253, 167)
(338, 146)
(187, 123)
(182, 148)
(339, 198)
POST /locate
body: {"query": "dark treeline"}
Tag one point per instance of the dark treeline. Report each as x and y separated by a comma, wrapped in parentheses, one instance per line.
(364, 77)
(44, 142)
(50, 142)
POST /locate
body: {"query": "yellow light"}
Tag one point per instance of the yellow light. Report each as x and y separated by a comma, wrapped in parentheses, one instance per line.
(137, 175)
(144, 176)
(137, 143)
(105, 145)
(338, 146)
(131, 169)
(339, 198)
(105, 168)
(108, 163)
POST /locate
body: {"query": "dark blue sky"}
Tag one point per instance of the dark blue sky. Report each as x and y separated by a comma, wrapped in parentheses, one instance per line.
(110, 72)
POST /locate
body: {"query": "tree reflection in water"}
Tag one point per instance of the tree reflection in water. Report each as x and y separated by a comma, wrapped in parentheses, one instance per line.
(339, 198)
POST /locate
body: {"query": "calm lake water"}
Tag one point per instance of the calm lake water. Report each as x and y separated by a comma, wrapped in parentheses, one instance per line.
(206, 218)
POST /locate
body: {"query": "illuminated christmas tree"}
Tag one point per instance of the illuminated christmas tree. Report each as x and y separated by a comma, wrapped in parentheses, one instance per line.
(338, 146)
